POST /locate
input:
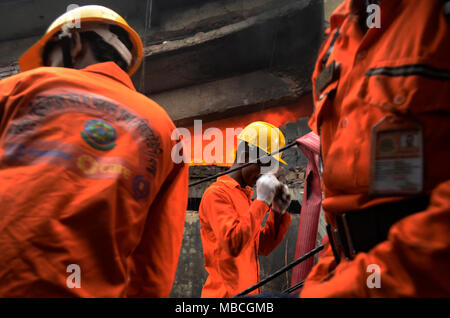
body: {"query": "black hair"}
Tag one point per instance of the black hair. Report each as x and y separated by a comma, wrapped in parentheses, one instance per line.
(47, 49)
(102, 51)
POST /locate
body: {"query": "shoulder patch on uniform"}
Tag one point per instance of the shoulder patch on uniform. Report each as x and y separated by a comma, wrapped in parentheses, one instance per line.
(99, 134)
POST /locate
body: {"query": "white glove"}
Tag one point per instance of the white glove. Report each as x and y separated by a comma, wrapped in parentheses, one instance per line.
(282, 199)
(265, 188)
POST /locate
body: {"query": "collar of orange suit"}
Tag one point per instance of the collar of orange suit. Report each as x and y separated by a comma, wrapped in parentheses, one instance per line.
(111, 70)
(231, 183)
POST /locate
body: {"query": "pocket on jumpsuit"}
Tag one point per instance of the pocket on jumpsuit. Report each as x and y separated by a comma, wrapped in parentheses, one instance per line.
(420, 90)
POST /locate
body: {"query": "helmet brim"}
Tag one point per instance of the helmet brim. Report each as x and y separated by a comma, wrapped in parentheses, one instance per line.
(33, 58)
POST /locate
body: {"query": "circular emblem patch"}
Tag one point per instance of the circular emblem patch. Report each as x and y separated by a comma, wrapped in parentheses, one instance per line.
(141, 187)
(99, 134)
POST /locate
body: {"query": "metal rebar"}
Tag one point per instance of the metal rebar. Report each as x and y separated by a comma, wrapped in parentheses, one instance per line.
(281, 271)
(289, 145)
(292, 288)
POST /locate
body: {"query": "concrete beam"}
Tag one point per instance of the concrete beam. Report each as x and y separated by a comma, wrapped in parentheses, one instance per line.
(228, 97)
(219, 39)
(9, 69)
(284, 37)
(176, 19)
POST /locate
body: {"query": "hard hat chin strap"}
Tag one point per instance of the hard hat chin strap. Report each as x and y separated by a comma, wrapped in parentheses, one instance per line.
(115, 42)
(65, 36)
(67, 52)
(103, 31)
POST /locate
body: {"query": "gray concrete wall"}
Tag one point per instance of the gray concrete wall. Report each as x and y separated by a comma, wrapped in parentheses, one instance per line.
(329, 6)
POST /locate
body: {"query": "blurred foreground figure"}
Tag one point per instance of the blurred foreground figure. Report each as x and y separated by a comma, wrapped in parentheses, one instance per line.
(91, 203)
(382, 110)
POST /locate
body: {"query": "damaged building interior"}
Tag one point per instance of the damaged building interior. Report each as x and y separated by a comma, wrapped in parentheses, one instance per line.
(224, 62)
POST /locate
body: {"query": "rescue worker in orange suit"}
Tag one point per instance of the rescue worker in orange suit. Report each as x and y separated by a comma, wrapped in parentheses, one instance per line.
(231, 223)
(91, 203)
(387, 201)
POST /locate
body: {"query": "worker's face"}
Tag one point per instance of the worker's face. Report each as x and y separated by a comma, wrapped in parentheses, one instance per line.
(250, 174)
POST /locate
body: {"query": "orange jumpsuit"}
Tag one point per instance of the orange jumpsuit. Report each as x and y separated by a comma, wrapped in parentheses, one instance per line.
(233, 237)
(86, 178)
(402, 67)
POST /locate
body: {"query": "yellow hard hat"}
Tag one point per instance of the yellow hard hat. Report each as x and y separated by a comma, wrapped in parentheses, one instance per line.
(265, 136)
(32, 58)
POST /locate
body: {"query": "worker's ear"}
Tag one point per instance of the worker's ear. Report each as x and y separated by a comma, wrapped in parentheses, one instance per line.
(77, 46)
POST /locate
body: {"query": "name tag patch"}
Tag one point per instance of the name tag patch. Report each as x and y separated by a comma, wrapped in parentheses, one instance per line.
(396, 166)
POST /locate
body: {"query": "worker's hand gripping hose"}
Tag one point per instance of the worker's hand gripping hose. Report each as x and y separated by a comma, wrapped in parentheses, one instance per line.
(282, 199)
